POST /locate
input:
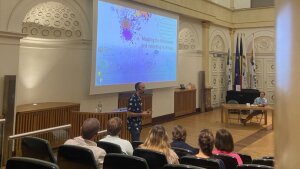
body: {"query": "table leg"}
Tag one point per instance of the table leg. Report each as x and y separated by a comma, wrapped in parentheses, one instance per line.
(272, 111)
(226, 116)
(266, 117)
(222, 109)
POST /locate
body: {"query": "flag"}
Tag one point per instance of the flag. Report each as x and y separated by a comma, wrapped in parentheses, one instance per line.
(244, 66)
(253, 67)
(237, 64)
(229, 71)
(241, 58)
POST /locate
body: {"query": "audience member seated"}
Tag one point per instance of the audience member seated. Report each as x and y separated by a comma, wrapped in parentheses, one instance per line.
(224, 145)
(89, 130)
(157, 140)
(114, 126)
(179, 137)
(260, 101)
(206, 143)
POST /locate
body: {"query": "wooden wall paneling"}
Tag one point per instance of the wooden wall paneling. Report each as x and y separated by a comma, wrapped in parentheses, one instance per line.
(184, 101)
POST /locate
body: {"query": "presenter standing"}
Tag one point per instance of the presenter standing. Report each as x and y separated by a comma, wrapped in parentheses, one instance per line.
(135, 112)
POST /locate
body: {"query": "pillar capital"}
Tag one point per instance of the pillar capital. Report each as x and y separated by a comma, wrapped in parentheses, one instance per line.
(206, 24)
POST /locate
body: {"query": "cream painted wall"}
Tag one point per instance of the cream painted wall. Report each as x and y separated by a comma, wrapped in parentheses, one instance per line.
(225, 3)
(9, 58)
(239, 4)
(267, 31)
(190, 53)
(54, 73)
(62, 72)
(12, 13)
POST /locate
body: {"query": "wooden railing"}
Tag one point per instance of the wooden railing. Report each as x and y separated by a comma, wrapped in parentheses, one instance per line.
(31, 117)
(46, 115)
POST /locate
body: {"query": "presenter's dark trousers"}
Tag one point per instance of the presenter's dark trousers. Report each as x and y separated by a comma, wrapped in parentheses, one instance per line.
(135, 134)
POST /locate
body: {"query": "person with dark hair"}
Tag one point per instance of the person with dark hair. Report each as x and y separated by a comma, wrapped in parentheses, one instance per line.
(89, 131)
(179, 136)
(260, 101)
(135, 112)
(114, 126)
(224, 145)
(157, 140)
(206, 143)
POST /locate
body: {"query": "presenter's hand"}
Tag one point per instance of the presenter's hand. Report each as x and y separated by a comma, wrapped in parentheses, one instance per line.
(146, 113)
(149, 111)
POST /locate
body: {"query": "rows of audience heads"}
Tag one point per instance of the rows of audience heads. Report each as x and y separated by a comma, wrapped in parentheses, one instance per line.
(158, 140)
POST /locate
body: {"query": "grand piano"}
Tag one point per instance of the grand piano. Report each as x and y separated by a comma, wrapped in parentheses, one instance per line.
(244, 96)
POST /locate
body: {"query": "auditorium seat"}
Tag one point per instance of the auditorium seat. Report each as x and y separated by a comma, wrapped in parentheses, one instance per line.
(180, 166)
(38, 148)
(136, 144)
(123, 161)
(109, 147)
(268, 157)
(247, 159)
(75, 157)
(229, 161)
(267, 162)
(155, 159)
(29, 163)
(182, 152)
(207, 163)
(253, 166)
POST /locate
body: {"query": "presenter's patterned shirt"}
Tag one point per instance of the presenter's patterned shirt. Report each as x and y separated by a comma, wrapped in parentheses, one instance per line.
(135, 106)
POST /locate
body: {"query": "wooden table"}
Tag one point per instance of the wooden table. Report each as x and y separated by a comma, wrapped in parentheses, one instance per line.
(226, 107)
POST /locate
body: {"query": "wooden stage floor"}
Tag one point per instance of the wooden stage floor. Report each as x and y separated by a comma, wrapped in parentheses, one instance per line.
(253, 139)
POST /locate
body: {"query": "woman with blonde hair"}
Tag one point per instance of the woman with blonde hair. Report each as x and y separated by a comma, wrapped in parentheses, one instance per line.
(157, 140)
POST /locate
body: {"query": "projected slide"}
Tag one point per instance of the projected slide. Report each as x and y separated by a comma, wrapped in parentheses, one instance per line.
(134, 45)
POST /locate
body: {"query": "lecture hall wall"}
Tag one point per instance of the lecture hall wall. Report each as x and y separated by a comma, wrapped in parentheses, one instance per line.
(57, 67)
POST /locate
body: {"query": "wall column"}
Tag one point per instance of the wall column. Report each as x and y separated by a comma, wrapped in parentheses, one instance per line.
(9, 65)
(287, 113)
(205, 49)
(231, 4)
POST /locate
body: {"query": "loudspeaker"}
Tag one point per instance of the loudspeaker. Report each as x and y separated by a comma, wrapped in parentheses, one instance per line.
(9, 113)
(202, 91)
(9, 94)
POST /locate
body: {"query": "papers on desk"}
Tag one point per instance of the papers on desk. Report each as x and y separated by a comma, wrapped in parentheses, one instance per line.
(123, 109)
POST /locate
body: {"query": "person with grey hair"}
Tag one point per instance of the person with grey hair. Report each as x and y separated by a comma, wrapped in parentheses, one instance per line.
(89, 130)
(114, 126)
